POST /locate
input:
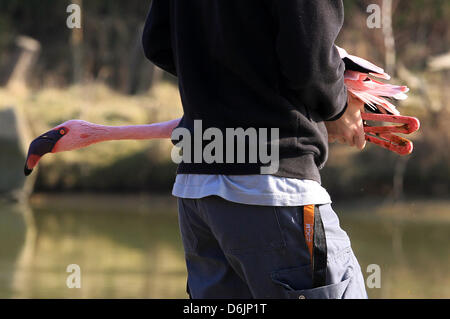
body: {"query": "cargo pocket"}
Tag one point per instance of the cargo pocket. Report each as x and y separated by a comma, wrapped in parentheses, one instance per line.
(292, 279)
(334, 291)
(297, 284)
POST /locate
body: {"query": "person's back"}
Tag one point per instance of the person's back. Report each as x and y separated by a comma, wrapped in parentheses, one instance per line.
(254, 64)
(259, 64)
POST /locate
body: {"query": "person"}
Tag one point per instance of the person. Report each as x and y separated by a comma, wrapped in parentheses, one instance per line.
(259, 64)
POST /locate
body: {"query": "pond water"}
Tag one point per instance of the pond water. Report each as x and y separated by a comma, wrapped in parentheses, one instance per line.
(129, 247)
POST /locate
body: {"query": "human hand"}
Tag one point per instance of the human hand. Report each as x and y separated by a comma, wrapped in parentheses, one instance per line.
(349, 128)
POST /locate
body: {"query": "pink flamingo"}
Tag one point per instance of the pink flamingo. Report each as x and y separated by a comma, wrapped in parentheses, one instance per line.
(76, 134)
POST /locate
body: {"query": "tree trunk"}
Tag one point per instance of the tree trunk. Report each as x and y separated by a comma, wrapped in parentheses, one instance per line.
(76, 42)
(389, 40)
(23, 60)
(142, 74)
(399, 177)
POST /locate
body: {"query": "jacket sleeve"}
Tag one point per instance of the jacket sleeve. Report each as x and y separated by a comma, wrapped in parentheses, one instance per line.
(156, 37)
(309, 61)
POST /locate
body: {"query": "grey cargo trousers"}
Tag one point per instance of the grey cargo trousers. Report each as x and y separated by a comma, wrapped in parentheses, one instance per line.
(244, 251)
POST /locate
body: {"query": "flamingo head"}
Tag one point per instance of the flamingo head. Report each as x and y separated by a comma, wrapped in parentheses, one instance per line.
(67, 136)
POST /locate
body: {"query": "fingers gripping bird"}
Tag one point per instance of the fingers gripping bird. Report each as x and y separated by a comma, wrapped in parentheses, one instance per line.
(358, 77)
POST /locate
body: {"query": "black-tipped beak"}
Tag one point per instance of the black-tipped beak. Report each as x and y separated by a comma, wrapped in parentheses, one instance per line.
(39, 147)
(26, 170)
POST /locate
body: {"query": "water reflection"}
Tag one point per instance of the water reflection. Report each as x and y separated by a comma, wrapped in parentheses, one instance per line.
(129, 247)
(21, 276)
(411, 244)
(124, 251)
(12, 236)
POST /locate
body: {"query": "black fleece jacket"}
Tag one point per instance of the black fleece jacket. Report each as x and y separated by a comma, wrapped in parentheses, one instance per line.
(254, 63)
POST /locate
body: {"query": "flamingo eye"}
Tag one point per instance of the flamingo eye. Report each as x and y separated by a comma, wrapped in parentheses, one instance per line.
(62, 131)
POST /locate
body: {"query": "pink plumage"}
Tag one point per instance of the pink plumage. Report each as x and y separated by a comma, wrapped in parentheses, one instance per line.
(359, 81)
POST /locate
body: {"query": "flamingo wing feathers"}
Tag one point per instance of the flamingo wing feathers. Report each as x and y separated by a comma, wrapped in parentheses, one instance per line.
(358, 79)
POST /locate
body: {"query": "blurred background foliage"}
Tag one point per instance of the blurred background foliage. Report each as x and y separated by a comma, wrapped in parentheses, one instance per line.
(99, 74)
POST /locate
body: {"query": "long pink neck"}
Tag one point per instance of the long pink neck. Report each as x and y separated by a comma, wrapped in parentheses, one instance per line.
(89, 133)
(137, 132)
(83, 134)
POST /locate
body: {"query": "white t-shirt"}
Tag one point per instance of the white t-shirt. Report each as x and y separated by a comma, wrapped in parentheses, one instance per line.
(266, 190)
